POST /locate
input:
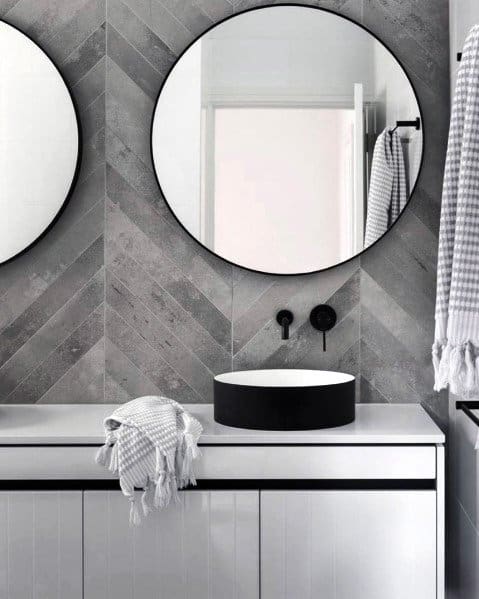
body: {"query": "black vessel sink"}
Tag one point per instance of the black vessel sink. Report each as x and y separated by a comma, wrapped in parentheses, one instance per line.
(284, 399)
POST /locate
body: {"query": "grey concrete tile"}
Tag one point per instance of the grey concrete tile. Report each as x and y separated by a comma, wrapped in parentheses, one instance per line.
(304, 348)
(413, 268)
(170, 348)
(121, 370)
(133, 63)
(6, 5)
(148, 361)
(141, 37)
(216, 10)
(404, 327)
(370, 394)
(419, 305)
(350, 364)
(122, 232)
(138, 105)
(60, 361)
(415, 52)
(56, 16)
(418, 238)
(91, 85)
(342, 346)
(26, 278)
(93, 154)
(171, 241)
(122, 123)
(135, 172)
(348, 8)
(86, 195)
(54, 332)
(85, 57)
(93, 117)
(166, 26)
(413, 359)
(80, 24)
(300, 294)
(387, 378)
(52, 299)
(114, 392)
(83, 383)
(426, 208)
(189, 14)
(208, 342)
(248, 287)
(422, 22)
(24, 12)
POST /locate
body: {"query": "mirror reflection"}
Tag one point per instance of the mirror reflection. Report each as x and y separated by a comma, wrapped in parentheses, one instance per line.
(287, 139)
(39, 142)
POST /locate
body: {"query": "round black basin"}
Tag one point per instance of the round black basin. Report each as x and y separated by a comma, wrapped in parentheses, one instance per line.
(284, 399)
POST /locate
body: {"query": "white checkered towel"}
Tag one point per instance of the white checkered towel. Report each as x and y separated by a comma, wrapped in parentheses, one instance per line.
(387, 192)
(456, 340)
(151, 443)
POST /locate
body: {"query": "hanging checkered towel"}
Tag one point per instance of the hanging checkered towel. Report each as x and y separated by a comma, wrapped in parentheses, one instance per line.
(456, 340)
(151, 443)
(387, 191)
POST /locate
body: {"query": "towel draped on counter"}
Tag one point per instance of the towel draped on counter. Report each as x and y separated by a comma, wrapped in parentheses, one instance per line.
(456, 341)
(388, 188)
(151, 443)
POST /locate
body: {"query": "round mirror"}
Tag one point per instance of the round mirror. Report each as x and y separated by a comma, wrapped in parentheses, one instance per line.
(39, 142)
(287, 139)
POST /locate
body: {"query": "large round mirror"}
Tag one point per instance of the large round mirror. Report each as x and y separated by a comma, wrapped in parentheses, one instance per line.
(287, 139)
(39, 142)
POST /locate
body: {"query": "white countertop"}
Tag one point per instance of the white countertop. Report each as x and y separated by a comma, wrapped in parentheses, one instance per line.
(82, 424)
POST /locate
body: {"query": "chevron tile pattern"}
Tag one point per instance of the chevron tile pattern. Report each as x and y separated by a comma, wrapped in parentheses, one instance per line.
(149, 311)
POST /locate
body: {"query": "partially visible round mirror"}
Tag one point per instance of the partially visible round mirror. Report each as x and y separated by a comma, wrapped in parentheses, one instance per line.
(39, 142)
(287, 139)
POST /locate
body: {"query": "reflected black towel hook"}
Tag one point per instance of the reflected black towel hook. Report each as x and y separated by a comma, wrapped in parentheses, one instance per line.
(416, 124)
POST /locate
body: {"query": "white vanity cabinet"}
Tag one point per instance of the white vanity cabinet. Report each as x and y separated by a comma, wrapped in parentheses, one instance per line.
(41, 544)
(344, 544)
(204, 547)
(352, 512)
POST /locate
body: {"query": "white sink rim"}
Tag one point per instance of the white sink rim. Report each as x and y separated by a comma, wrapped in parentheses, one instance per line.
(284, 378)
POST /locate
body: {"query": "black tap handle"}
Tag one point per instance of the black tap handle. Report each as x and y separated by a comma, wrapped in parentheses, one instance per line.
(284, 318)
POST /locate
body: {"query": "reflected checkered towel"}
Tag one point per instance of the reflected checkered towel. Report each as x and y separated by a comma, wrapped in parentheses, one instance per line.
(456, 340)
(387, 191)
(151, 443)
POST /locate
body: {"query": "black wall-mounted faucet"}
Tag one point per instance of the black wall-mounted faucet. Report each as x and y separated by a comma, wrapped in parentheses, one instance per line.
(284, 318)
(323, 318)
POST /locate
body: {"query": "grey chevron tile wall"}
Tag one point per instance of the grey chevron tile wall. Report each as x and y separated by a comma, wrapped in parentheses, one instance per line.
(117, 301)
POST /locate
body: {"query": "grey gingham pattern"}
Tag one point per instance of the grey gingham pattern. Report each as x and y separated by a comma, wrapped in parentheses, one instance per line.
(387, 192)
(151, 443)
(456, 342)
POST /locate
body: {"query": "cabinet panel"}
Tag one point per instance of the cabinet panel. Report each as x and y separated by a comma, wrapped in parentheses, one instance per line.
(41, 545)
(204, 547)
(343, 544)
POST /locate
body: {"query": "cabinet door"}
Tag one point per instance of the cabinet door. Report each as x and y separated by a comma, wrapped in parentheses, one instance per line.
(348, 544)
(204, 547)
(41, 545)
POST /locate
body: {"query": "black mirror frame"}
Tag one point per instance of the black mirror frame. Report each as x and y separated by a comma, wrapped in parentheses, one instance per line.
(79, 152)
(327, 10)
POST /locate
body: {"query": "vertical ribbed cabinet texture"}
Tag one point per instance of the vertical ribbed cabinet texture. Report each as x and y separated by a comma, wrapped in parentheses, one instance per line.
(41, 545)
(204, 547)
(348, 544)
